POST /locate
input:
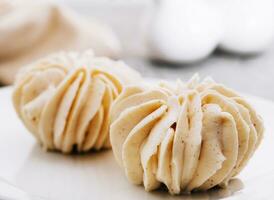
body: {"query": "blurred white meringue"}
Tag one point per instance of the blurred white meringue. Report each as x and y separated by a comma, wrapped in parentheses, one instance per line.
(187, 31)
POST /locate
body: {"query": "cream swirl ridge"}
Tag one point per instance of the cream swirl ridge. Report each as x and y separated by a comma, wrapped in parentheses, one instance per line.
(64, 99)
(193, 136)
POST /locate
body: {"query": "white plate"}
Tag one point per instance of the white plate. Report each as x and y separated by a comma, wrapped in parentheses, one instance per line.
(97, 176)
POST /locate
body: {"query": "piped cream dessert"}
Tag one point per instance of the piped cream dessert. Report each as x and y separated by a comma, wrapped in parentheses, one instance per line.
(64, 99)
(189, 136)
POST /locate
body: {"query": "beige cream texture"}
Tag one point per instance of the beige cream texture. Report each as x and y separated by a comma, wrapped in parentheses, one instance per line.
(32, 29)
(192, 136)
(64, 99)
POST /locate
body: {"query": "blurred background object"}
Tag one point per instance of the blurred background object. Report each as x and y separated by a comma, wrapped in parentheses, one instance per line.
(31, 29)
(187, 30)
(131, 22)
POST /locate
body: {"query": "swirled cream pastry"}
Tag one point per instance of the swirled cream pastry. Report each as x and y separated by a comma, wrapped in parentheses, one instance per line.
(64, 99)
(194, 136)
(31, 29)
